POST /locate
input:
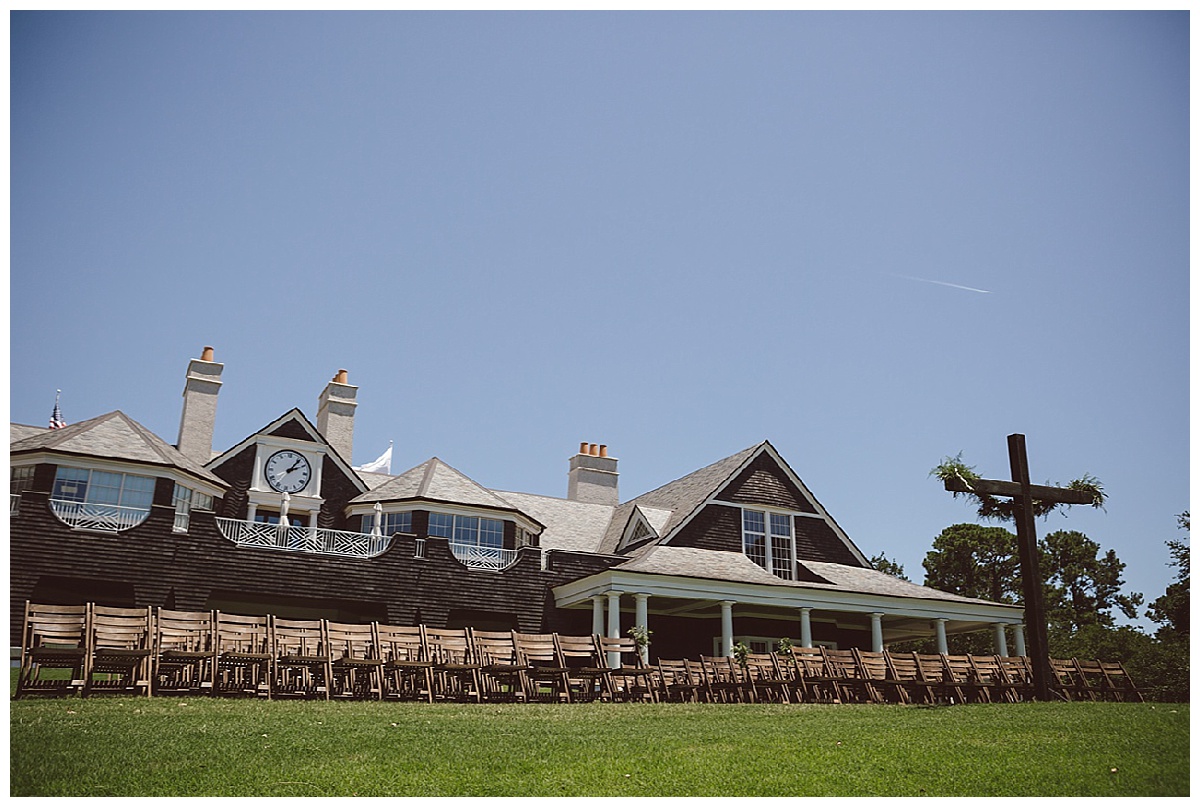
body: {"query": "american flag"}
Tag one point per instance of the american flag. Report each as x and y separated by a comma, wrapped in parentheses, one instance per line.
(56, 418)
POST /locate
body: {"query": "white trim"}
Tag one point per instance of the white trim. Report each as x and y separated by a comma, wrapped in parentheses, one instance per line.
(636, 517)
(766, 446)
(788, 597)
(264, 435)
(119, 466)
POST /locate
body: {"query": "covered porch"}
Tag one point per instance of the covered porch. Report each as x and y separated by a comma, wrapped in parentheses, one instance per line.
(688, 616)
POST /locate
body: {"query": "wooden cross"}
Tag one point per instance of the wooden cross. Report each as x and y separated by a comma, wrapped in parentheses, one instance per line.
(1023, 495)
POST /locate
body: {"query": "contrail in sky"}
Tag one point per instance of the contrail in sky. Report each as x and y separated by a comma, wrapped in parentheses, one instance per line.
(943, 283)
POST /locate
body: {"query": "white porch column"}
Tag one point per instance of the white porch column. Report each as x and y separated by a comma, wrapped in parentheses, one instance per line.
(1019, 639)
(251, 511)
(806, 627)
(1001, 642)
(939, 627)
(726, 627)
(876, 632)
(598, 615)
(614, 625)
(640, 619)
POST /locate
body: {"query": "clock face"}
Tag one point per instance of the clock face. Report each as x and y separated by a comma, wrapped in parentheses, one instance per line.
(287, 471)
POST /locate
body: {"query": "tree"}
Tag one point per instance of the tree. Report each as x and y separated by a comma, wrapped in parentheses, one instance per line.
(1082, 587)
(1173, 609)
(882, 563)
(975, 561)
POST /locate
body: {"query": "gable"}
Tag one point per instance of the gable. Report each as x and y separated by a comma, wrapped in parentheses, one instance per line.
(764, 482)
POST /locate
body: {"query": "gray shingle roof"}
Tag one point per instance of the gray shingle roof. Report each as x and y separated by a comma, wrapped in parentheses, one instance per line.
(570, 526)
(19, 431)
(434, 480)
(684, 561)
(112, 436)
(680, 497)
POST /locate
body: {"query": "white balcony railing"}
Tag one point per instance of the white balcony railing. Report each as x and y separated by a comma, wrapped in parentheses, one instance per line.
(103, 517)
(303, 539)
(483, 557)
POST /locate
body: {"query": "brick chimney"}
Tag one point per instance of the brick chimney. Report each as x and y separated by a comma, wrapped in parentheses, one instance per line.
(200, 407)
(592, 476)
(335, 414)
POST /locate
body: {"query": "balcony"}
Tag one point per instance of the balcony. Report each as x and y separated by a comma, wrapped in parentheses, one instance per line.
(99, 517)
(311, 540)
(483, 557)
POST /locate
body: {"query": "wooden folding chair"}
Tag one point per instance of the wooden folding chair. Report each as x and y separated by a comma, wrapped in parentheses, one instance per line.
(809, 672)
(244, 655)
(302, 667)
(1019, 676)
(587, 675)
(184, 652)
(1093, 681)
(1068, 682)
(632, 679)
(990, 679)
(355, 664)
(545, 675)
(501, 670)
(677, 682)
(961, 680)
(721, 682)
(456, 668)
(766, 681)
(1120, 683)
(905, 670)
(54, 655)
(407, 666)
(850, 681)
(937, 679)
(119, 650)
(880, 685)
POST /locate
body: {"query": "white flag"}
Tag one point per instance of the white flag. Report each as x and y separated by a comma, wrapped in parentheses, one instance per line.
(383, 465)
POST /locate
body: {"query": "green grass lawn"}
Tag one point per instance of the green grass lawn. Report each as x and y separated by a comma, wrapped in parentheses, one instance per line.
(120, 746)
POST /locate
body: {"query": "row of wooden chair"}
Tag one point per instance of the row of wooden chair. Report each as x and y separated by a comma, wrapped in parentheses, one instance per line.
(88, 649)
(823, 675)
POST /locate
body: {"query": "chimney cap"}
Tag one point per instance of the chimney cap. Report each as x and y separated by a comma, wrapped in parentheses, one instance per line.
(207, 353)
(341, 377)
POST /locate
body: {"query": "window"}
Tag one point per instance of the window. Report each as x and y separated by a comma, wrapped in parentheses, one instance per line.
(103, 487)
(392, 523)
(186, 500)
(767, 540)
(19, 480)
(468, 530)
(102, 500)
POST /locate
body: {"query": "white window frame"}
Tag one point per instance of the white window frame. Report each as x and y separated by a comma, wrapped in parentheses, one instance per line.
(768, 534)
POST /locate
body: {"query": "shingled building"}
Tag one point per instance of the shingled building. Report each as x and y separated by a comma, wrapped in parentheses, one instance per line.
(105, 511)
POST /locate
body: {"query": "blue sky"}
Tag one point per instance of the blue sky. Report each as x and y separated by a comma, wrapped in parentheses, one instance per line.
(874, 239)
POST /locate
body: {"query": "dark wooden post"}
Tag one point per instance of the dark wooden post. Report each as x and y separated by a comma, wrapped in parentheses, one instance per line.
(1023, 495)
(1031, 571)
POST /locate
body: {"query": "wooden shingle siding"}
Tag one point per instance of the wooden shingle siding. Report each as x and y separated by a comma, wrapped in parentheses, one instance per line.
(237, 471)
(716, 527)
(337, 490)
(292, 429)
(189, 570)
(816, 540)
(764, 482)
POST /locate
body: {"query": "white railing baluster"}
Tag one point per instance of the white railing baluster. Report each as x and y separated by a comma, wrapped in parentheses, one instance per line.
(102, 517)
(310, 540)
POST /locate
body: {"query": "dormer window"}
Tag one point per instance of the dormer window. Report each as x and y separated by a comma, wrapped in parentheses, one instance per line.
(101, 500)
(767, 540)
(392, 523)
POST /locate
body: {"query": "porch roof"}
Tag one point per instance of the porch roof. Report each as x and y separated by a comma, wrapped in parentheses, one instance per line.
(705, 574)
